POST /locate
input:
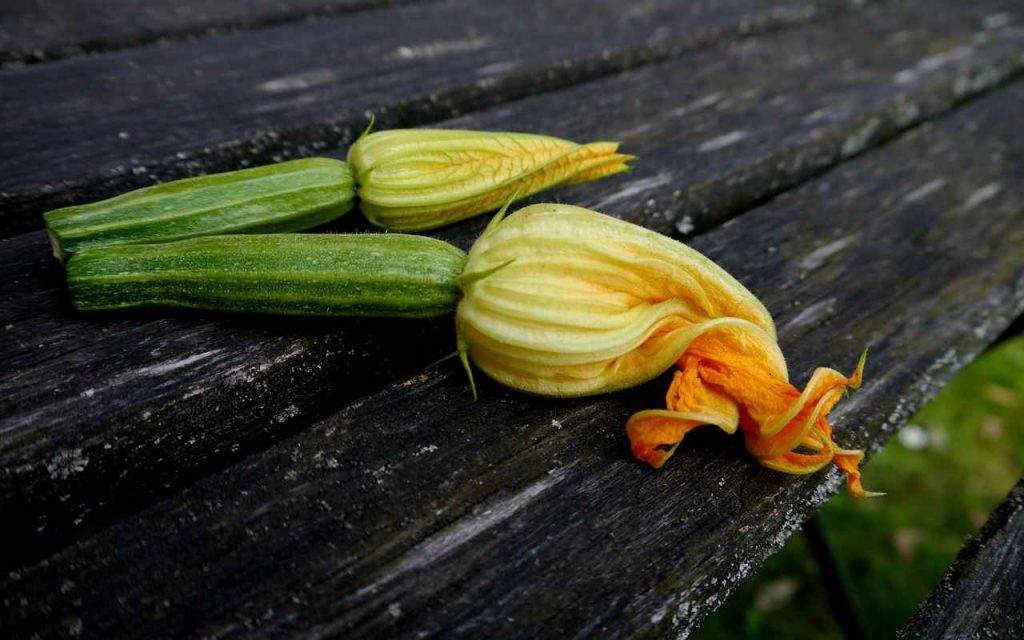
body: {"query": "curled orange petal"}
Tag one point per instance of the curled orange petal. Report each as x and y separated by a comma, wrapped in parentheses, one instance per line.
(785, 429)
(849, 462)
(655, 434)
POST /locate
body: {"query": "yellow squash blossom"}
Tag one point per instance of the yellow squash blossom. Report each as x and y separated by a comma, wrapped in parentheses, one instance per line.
(563, 301)
(418, 179)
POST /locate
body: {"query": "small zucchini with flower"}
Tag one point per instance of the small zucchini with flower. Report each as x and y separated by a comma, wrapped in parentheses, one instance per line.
(408, 180)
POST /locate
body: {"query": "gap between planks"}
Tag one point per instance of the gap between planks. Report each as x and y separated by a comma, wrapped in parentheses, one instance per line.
(45, 36)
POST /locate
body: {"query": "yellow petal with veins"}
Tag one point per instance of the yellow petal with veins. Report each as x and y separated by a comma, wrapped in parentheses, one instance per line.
(417, 179)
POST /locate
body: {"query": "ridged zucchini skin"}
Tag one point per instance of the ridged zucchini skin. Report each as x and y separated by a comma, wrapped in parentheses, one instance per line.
(382, 275)
(278, 198)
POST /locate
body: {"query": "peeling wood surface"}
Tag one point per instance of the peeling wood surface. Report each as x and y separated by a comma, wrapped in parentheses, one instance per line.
(39, 30)
(84, 128)
(417, 511)
(103, 414)
(982, 594)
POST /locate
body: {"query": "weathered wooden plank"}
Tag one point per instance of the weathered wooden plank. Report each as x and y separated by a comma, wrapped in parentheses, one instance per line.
(82, 128)
(102, 414)
(982, 594)
(36, 30)
(417, 511)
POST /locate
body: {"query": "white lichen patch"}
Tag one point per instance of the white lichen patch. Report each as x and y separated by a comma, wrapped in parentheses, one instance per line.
(683, 616)
(659, 615)
(634, 189)
(723, 141)
(811, 314)
(977, 80)
(299, 81)
(415, 380)
(931, 64)
(174, 365)
(685, 225)
(66, 463)
(381, 472)
(286, 414)
(925, 190)
(996, 21)
(438, 48)
(497, 68)
(827, 489)
(816, 258)
(907, 113)
(859, 140)
(704, 102)
(899, 414)
(983, 194)
(829, 113)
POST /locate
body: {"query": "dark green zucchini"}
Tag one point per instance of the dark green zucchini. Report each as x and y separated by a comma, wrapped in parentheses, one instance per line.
(391, 275)
(278, 198)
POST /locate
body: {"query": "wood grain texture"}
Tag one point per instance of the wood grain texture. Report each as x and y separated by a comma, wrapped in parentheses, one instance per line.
(38, 30)
(85, 128)
(105, 414)
(416, 511)
(982, 594)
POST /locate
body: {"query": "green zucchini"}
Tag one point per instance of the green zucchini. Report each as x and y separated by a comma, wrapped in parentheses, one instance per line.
(278, 198)
(390, 275)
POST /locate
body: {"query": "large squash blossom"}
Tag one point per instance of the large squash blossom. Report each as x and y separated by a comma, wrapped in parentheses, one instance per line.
(417, 179)
(562, 301)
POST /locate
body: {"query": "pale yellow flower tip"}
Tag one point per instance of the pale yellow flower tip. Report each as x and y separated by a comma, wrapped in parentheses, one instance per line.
(418, 179)
(562, 301)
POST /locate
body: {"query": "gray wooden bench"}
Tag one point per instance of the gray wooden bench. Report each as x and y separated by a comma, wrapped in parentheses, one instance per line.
(982, 595)
(856, 164)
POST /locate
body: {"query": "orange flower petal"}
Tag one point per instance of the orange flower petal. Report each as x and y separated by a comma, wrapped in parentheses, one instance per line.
(823, 381)
(849, 462)
(796, 431)
(799, 463)
(785, 429)
(655, 434)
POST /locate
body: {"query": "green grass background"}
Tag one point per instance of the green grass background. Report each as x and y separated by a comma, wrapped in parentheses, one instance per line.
(944, 473)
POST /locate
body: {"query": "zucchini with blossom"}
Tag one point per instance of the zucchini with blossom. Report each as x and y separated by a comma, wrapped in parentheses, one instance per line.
(553, 300)
(408, 180)
(562, 301)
